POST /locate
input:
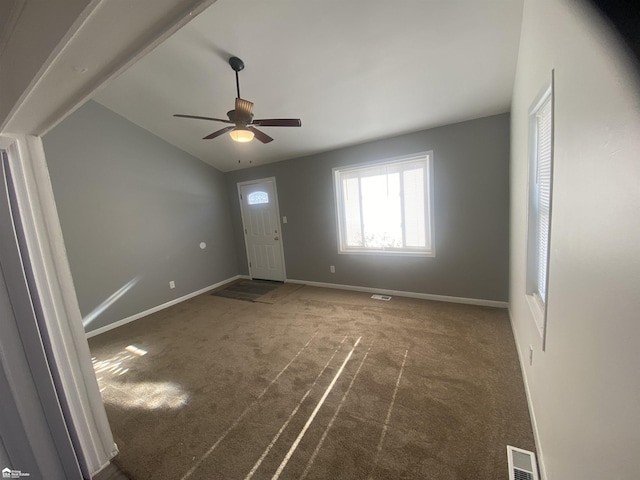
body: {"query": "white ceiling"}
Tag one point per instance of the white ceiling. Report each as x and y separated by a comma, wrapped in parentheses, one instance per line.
(352, 70)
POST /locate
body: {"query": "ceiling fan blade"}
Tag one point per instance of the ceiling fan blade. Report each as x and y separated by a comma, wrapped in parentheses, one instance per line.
(278, 122)
(263, 137)
(218, 133)
(200, 118)
(244, 108)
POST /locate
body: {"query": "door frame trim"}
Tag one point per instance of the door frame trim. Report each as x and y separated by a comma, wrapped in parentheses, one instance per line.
(244, 235)
(87, 418)
(32, 417)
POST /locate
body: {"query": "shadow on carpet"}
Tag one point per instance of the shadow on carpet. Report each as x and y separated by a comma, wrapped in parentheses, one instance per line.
(262, 291)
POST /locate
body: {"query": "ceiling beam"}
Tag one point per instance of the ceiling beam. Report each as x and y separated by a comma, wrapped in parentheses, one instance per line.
(89, 43)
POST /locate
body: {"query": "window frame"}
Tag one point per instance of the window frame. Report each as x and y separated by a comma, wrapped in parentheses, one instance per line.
(430, 251)
(537, 304)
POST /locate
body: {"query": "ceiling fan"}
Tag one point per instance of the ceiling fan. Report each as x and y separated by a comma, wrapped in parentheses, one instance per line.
(243, 126)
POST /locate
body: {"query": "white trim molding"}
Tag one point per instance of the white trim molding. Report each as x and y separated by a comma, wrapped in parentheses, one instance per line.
(424, 296)
(86, 415)
(175, 301)
(398, 293)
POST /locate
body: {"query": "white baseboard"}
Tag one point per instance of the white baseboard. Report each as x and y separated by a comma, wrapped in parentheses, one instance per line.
(399, 293)
(532, 413)
(137, 316)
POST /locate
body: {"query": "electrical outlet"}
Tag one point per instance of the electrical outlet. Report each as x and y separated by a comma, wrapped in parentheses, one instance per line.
(172, 284)
(284, 219)
(332, 268)
(530, 355)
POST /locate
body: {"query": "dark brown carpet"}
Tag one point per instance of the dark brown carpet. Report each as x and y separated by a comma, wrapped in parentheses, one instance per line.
(406, 389)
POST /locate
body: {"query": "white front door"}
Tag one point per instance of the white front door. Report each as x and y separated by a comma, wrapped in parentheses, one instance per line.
(261, 223)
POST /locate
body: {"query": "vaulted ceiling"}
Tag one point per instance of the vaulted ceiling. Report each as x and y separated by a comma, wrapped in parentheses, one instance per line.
(352, 71)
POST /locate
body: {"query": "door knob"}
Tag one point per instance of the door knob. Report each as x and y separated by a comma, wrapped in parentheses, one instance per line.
(275, 238)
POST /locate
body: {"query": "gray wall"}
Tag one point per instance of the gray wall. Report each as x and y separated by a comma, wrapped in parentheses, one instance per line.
(4, 456)
(584, 388)
(471, 214)
(134, 210)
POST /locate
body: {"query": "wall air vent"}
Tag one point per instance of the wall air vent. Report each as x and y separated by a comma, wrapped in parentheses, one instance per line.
(522, 464)
(386, 298)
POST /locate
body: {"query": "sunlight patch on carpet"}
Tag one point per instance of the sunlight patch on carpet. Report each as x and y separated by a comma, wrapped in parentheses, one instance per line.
(138, 351)
(119, 391)
(146, 395)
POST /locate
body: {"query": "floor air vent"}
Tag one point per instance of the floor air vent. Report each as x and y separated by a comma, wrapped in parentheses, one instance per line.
(386, 298)
(522, 464)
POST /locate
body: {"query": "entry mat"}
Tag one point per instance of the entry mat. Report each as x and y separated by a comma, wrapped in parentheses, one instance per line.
(263, 291)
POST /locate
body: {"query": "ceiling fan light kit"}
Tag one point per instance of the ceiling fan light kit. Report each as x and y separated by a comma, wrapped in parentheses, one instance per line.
(241, 136)
(242, 117)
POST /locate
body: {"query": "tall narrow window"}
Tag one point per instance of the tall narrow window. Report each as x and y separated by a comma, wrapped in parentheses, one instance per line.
(386, 207)
(540, 175)
(543, 193)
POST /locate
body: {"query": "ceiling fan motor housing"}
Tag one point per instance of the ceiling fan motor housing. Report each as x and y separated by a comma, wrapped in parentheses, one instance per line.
(237, 118)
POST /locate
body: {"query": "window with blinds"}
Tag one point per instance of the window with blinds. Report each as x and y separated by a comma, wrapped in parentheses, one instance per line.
(540, 192)
(543, 194)
(386, 207)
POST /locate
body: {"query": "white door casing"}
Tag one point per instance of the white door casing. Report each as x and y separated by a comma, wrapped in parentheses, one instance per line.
(53, 282)
(262, 231)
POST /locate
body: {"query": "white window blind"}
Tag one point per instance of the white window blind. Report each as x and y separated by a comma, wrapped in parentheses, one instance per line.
(543, 192)
(385, 207)
(539, 218)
